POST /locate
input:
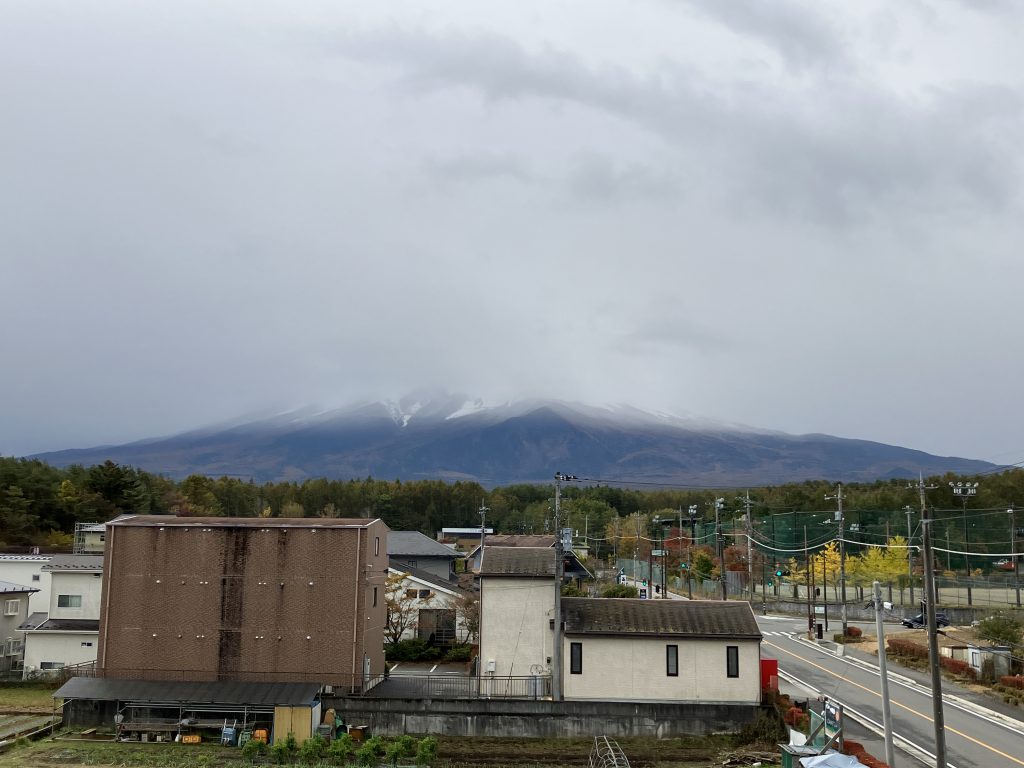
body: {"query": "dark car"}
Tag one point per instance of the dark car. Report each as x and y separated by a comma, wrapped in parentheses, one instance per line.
(920, 620)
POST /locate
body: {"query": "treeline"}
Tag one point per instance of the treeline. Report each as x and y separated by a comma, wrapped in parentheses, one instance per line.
(40, 503)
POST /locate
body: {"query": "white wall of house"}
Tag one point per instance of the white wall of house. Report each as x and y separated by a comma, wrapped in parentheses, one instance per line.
(62, 648)
(26, 570)
(515, 631)
(87, 587)
(635, 669)
(429, 597)
(13, 611)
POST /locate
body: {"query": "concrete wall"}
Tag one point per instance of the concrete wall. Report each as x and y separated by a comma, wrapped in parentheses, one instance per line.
(634, 669)
(515, 630)
(243, 601)
(541, 719)
(88, 586)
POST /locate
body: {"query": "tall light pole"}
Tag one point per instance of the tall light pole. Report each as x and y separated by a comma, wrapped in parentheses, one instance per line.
(842, 550)
(692, 510)
(964, 491)
(556, 650)
(719, 504)
(938, 719)
(1012, 512)
(484, 509)
(910, 555)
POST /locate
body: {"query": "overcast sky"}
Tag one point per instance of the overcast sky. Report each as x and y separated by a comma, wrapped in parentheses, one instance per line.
(796, 214)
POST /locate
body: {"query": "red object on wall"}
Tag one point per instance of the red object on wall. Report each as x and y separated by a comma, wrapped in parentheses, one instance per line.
(769, 674)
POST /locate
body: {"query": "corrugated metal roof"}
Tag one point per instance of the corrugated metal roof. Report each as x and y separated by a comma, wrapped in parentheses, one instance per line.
(158, 521)
(159, 692)
(682, 618)
(75, 563)
(415, 544)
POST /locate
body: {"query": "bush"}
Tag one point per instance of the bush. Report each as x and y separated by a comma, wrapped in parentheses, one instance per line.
(900, 647)
(620, 590)
(312, 750)
(408, 744)
(957, 666)
(340, 749)
(1002, 628)
(253, 749)
(281, 754)
(393, 753)
(366, 754)
(426, 751)
(459, 653)
(411, 650)
(1012, 681)
(852, 631)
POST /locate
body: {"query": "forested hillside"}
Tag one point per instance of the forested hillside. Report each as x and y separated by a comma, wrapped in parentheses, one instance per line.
(40, 504)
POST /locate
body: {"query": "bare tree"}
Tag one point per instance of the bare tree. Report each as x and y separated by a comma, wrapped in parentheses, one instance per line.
(401, 605)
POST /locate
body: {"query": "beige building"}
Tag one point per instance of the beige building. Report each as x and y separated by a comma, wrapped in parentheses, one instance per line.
(614, 649)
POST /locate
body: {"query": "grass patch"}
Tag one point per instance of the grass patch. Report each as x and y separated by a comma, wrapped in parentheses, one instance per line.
(26, 697)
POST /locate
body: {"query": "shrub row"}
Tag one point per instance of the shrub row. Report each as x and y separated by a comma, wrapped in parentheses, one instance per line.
(901, 647)
(1012, 681)
(856, 749)
(958, 667)
(317, 751)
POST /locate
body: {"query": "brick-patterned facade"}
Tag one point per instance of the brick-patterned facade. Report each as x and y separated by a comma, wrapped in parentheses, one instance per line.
(247, 599)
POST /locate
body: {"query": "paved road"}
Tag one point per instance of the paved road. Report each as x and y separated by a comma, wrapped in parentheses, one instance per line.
(973, 740)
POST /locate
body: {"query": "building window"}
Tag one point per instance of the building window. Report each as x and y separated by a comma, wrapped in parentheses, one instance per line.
(87, 644)
(35, 577)
(576, 658)
(69, 601)
(374, 597)
(411, 594)
(732, 661)
(11, 608)
(376, 546)
(424, 594)
(672, 660)
(51, 664)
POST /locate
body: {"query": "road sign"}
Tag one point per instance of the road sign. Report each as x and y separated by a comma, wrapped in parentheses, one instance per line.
(658, 553)
(643, 593)
(819, 609)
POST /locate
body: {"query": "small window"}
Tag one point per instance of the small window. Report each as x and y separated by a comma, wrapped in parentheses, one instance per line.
(424, 594)
(672, 660)
(12, 608)
(411, 594)
(87, 644)
(732, 661)
(51, 664)
(374, 597)
(576, 658)
(35, 577)
(376, 546)
(69, 601)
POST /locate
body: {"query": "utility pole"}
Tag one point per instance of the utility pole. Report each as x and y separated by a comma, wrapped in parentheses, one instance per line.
(910, 554)
(1013, 551)
(689, 555)
(890, 758)
(933, 638)
(750, 554)
(556, 651)
(719, 503)
(809, 586)
(484, 509)
(842, 552)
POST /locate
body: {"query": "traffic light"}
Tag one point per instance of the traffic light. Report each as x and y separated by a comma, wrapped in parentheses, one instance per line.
(770, 584)
(685, 566)
(645, 582)
(778, 573)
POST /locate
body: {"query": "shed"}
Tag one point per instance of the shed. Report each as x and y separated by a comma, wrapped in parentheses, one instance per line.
(160, 707)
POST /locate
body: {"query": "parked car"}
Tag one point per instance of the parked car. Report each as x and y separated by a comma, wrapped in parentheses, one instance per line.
(920, 620)
(1004, 564)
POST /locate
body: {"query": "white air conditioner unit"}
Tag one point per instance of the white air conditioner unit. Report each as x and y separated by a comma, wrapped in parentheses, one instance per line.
(329, 690)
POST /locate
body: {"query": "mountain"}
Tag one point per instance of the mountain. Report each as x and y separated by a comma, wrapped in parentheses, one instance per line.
(451, 437)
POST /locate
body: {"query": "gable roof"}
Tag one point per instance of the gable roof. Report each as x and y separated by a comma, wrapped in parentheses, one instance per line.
(662, 618)
(415, 544)
(430, 579)
(75, 563)
(528, 561)
(12, 588)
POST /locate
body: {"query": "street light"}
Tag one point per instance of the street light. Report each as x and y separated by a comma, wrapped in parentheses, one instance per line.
(1013, 551)
(964, 491)
(910, 555)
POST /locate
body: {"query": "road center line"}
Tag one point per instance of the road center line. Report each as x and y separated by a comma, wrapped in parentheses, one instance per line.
(828, 671)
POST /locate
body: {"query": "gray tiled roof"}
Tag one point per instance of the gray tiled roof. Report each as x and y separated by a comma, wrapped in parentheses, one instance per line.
(518, 561)
(33, 621)
(9, 586)
(189, 693)
(75, 563)
(428, 577)
(69, 625)
(156, 521)
(664, 618)
(415, 544)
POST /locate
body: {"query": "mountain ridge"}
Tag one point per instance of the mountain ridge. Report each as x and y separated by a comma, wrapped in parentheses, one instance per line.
(445, 436)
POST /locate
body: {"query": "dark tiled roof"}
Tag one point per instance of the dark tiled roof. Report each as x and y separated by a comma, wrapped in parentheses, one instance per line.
(156, 521)
(415, 544)
(528, 561)
(33, 621)
(429, 578)
(75, 563)
(69, 625)
(189, 693)
(683, 618)
(518, 540)
(518, 561)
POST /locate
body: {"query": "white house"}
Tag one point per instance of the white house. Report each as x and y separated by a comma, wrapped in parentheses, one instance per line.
(433, 601)
(614, 649)
(14, 599)
(28, 570)
(67, 634)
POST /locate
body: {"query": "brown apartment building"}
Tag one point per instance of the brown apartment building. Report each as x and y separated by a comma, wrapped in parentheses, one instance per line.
(243, 599)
